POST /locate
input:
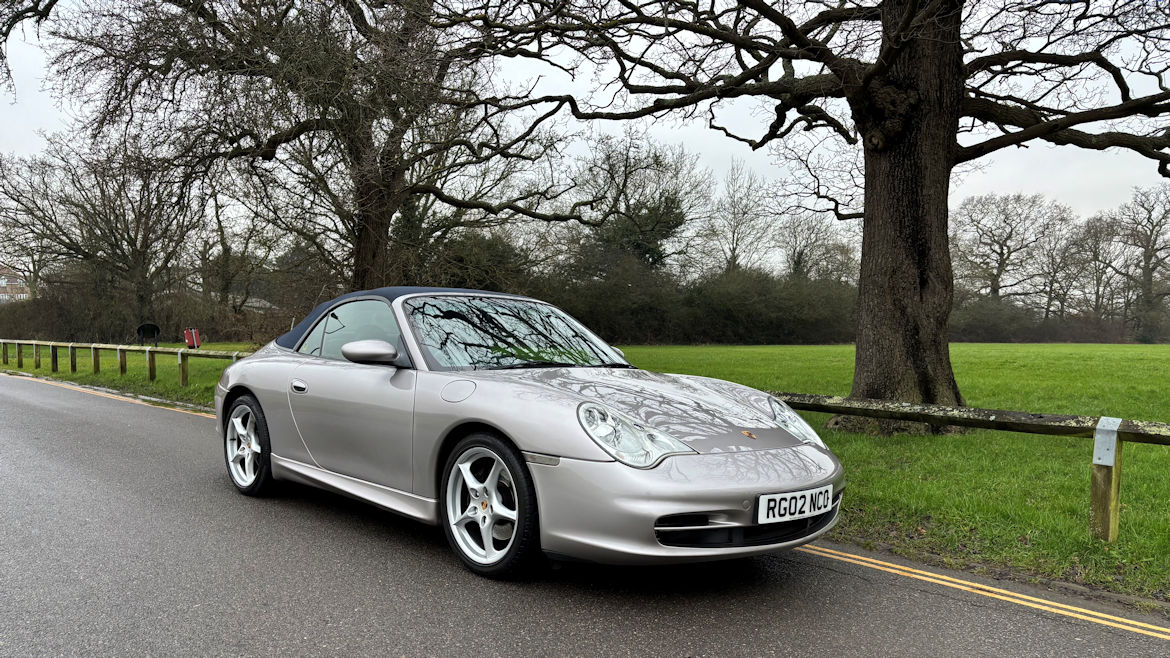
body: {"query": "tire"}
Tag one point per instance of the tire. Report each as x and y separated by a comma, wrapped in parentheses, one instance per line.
(475, 510)
(247, 452)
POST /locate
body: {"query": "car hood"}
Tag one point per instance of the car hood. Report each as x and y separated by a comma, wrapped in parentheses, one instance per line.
(709, 415)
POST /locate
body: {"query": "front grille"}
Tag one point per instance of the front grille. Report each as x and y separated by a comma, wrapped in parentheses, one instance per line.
(753, 535)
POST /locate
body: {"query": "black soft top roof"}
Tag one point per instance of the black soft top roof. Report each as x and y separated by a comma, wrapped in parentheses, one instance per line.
(391, 293)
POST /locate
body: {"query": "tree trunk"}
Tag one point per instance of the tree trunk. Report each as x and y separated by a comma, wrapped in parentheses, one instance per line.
(380, 191)
(369, 249)
(143, 300)
(909, 118)
(377, 204)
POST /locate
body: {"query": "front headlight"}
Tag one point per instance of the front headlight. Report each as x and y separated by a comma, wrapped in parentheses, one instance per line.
(625, 439)
(791, 421)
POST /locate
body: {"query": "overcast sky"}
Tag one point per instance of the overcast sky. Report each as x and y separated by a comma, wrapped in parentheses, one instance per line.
(1088, 181)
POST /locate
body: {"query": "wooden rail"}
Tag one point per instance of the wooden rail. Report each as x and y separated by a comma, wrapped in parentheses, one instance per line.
(1109, 434)
(182, 354)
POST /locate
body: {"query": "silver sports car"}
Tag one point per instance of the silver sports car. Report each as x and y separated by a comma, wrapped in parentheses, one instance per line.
(520, 432)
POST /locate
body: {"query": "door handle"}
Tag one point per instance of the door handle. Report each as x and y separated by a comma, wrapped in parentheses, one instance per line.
(299, 386)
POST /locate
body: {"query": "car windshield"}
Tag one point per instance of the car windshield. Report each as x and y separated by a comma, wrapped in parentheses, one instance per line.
(461, 332)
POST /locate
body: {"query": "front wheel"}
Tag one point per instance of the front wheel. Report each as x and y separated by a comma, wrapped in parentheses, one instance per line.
(489, 507)
(246, 448)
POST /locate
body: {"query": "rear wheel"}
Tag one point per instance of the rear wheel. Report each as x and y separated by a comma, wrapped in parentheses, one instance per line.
(247, 451)
(489, 507)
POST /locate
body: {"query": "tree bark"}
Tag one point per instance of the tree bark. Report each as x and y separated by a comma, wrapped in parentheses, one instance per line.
(379, 176)
(374, 215)
(909, 118)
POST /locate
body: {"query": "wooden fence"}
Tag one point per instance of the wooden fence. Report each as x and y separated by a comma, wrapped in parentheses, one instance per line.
(182, 354)
(1109, 434)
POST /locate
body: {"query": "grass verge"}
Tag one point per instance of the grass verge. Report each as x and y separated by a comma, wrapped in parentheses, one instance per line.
(982, 501)
(202, 374)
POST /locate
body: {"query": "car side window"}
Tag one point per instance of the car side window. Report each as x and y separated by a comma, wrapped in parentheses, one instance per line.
(364, 319)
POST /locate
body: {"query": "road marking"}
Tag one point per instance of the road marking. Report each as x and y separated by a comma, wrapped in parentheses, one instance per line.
(992, 592)
(103, 394)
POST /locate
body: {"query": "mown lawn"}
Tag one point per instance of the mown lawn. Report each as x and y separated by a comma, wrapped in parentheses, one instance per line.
(979, 500)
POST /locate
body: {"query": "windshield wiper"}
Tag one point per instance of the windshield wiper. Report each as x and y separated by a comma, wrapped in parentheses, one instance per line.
(536, 364)
(560, 364)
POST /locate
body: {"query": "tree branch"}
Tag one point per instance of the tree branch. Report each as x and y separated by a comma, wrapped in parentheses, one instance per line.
(1058, 131)
(1007, 57)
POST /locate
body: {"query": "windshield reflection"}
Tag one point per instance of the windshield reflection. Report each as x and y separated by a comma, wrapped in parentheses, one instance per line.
(470, 333)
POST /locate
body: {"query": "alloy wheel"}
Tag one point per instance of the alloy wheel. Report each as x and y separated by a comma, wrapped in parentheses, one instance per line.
(242, 446)
(481, 505)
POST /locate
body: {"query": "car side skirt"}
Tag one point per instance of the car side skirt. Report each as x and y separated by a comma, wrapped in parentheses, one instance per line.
(401, 502)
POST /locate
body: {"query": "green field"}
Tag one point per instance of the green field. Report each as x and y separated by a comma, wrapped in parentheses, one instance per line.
(979, 500)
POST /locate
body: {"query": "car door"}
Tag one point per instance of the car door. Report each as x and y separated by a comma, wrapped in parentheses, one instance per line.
(356, 419)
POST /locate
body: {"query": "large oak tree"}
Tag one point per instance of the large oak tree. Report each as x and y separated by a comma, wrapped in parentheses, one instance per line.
(921, 86)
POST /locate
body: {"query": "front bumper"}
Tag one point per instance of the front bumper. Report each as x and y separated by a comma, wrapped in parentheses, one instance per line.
(608, 512)
(220, 393)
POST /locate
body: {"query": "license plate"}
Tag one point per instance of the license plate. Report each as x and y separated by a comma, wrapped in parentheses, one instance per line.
(774, 508)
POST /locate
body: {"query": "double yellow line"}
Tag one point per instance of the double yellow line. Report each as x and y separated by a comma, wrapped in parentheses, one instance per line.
(992, 592)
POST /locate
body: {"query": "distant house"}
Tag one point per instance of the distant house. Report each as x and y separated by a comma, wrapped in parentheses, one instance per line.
(12, 286)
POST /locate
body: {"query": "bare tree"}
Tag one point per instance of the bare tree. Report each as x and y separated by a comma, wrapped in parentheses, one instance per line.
(24, 253)
(113, 206)
(638, 198)
(1100, 289)
(389, 99)
(903, 79)
(234, 247)
(14, 14)
(996, 240)
(738, 232)
(307, 193)
(839, 262)
(1057, 266)
(805, 239)
(1142, 226)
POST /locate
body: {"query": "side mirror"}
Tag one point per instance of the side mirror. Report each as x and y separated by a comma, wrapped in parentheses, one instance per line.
(370, 351)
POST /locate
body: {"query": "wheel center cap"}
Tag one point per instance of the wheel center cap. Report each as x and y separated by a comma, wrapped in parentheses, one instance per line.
(483, 505)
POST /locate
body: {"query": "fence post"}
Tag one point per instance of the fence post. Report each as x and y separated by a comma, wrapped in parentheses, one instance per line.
(72, 358)
(19, 355)
(150, 370)
(95, 355)
(121, 361)
(1105, 507)
(4, 349)
(36, 356)
(183, 358)
(53, 360)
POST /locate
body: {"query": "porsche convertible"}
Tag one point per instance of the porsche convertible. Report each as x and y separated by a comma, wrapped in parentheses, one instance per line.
(522, 434)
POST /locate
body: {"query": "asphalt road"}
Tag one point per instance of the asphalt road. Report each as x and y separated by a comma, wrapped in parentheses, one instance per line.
(120, 534)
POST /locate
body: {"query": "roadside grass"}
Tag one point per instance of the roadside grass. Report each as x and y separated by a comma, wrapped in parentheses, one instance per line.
(202, 374)
(983, 501)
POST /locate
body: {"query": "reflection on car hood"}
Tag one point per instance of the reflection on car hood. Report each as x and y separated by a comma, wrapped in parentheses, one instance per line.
(710, 415)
